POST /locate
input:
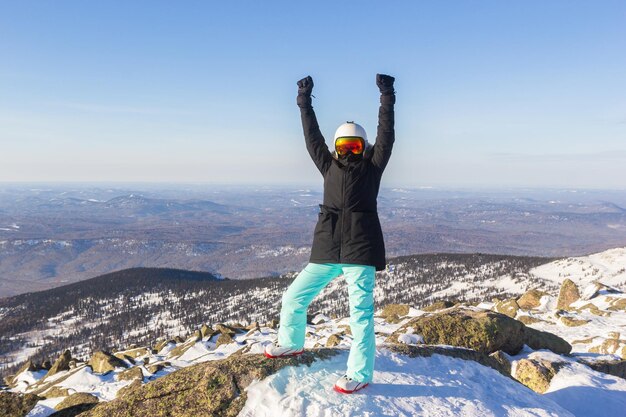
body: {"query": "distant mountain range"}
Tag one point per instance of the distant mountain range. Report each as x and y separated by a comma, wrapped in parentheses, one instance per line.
(55, 235)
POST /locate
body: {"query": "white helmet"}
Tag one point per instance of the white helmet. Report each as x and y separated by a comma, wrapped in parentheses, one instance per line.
(351, 129)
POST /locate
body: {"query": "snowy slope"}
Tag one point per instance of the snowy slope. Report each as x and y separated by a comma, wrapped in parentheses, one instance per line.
(402, 386)
(609, 267)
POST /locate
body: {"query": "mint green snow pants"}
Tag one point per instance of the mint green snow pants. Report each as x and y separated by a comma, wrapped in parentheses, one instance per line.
(309, 282)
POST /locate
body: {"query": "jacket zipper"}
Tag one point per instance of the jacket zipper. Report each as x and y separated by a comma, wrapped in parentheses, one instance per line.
(343, 210)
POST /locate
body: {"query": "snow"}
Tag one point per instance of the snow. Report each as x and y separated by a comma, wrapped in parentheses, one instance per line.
(434, 386)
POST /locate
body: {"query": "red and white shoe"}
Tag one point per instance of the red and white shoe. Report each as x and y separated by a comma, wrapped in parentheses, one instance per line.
(347, 385)
(275, 351)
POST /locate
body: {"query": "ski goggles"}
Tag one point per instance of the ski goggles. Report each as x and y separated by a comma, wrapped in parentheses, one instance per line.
(345, 144)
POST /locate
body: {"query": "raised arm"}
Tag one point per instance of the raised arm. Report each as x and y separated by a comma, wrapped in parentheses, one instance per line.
(315, 143)
(385, 135)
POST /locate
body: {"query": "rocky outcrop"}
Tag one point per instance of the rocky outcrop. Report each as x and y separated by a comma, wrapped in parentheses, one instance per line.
(481, 330)
(103, 362)
(16, 405)
(333, 340)
(392, 312)
(56, 391)
(438, 305)
(508, 307)
(567, 295)
(467, 354)
(213, 388)
(615, 368)
(530, 299)
(130, 374)
(536, 374)
(75, 404)
(61, 364)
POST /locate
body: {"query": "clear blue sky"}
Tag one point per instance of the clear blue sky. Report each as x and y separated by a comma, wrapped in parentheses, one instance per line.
(489, 93)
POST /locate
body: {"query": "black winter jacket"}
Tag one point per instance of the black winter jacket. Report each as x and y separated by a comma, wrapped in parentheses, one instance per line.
(348, 229)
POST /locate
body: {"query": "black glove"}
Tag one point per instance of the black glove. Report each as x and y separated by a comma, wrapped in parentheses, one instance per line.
(385, 84)
(305, 86)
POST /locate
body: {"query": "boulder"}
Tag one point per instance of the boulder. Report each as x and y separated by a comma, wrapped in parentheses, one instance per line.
(529, 319)
(27, 366)
(608, 346)
(593, 309)
(223, 339)
(75, 404)
(206, 331)
(130, 374)
(206, 389)
(615, 368)
(103, 362)
(617, 304)
(333, 340)
(413, 351)
(502, 359)
(531, 299)
(438, 305)
(395, 310)
(482, 330)
(536, 374)
(154, 368)
(508, 307)
(55, 392)
(224, 329)
(61, 364)
(567, 295)
(160, 345)
(272, 324)
(132, 353)
(16, 405)
(538, 339)
(572, 322)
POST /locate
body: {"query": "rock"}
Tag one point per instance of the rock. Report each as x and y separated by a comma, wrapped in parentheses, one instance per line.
(160, 345)
(537, 339)
(46, 364)
(483, 330)
(212, 388)
(253, 326)
(128, 388)
(27, 366)
(132, 353)
(615, 368)
(61, 364)
(584, 341)
(438, 305)
(153, 369)
(75, 404)
(593, 309)
(529, 319)
(333, 340)
(508, 307)
(16, 405)
(179, 339)
(617, 304)
(223, 329)
(536, 374)
(223, 339)
(413, 351)
(272, 324)
(345, 329)
(103, 362)
(502, 359)
(206, 331)
(571, 322)
(130, 374)
(608, 346)
(567, 295)
(395, 309)
(530, 299)
(55, 392)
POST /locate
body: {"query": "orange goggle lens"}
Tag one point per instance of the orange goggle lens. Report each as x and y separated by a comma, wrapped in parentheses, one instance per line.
(346, 144)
